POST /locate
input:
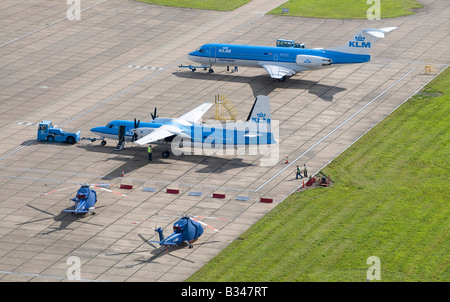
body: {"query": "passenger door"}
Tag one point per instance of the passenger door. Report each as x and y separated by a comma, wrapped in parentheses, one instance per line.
(212, 55)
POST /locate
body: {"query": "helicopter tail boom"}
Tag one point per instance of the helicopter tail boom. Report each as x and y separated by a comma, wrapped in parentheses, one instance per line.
(160, 233)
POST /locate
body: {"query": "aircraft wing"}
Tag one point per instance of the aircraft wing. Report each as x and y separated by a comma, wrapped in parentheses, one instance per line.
(171, 129)
(196, 114)
(277, 72)
(161, 133)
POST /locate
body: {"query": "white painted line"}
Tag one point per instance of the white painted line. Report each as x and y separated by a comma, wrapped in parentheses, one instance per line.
(334, 130)
(17, 149)
(25, 123)
(47, 276)
(48, 25)
(145, 67)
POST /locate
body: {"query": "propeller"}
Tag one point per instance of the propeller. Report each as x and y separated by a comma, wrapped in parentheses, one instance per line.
(136, 125)
(154, 115)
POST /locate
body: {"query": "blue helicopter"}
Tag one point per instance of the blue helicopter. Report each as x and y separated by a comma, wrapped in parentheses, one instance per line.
(185, 231)
(84, 201)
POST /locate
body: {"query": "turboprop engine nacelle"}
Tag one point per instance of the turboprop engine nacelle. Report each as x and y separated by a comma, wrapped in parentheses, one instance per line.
(312, 62)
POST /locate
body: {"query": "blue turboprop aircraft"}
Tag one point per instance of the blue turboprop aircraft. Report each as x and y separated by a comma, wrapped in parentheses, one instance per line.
(256, 130)
(288, 58)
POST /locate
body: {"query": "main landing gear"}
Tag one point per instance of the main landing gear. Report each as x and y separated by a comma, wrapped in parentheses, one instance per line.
(194, 68)
(165, 154)
(209, 70)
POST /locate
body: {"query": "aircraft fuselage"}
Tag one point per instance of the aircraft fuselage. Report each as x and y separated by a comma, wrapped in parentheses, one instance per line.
(256, 56)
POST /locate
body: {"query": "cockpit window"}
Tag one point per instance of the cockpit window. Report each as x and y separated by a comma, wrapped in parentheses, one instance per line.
(109, 125)
(201, 50)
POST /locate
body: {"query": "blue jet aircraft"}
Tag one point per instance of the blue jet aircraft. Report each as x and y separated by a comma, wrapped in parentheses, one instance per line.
(256, 130)
(288, 58)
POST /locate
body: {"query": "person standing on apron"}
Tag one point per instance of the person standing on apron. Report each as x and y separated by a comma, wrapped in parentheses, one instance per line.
(149, 150)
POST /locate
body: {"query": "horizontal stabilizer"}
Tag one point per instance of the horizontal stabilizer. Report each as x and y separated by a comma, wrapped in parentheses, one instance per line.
(363, 41)
(73, 211)
(379, 33)
(252, 134)
(163, 243)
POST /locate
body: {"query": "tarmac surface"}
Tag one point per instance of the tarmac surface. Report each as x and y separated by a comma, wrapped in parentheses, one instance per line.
(119, 61)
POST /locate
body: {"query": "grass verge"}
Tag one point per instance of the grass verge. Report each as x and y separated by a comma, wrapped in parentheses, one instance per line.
(390, 199)
(201, 4)
(335, 9)
(346, 9)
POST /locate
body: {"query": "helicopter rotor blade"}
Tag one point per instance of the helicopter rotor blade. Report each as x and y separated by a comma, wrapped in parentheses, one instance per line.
(42, 211)
(209, 217)
(208, 226)
(110, 191)
(154, 218)
(54, 191)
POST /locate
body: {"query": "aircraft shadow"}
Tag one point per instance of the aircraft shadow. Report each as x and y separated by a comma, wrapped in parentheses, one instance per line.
(136, 157)
(157, 252)
(264, 84)
(65, 219)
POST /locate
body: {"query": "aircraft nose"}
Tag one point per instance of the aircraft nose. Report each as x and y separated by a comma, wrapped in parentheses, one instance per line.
(97, 129)
(192, 56)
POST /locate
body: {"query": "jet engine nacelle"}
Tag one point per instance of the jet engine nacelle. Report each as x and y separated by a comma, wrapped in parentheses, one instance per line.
(312, 62)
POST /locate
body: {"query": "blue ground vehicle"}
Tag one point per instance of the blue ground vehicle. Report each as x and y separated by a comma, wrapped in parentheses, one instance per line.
(46, 132)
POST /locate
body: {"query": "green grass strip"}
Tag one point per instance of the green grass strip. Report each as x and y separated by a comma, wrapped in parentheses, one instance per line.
(220, 5)
(329, 9)
(346, 9)
(390, 199)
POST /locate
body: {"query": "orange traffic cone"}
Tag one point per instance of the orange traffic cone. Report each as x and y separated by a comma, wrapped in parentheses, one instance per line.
(123, 173)
(303, 183)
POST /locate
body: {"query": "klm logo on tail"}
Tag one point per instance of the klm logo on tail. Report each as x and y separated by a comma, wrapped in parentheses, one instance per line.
(359, 42)
(261, 118)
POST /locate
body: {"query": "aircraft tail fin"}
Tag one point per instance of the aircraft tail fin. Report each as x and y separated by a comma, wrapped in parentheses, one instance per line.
(260, 112)
(160, 233)
(259, 121)
(364, 40)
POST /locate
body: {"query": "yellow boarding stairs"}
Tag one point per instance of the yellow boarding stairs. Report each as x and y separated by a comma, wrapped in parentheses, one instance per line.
(223, 104)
